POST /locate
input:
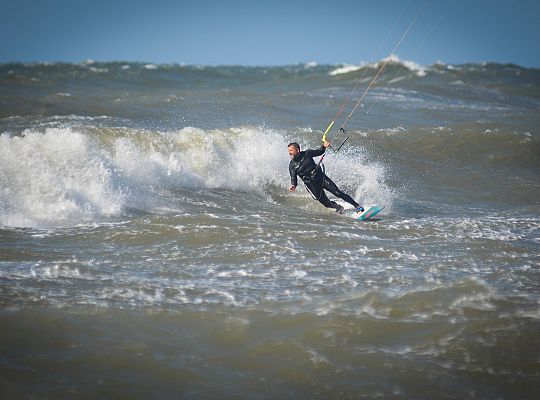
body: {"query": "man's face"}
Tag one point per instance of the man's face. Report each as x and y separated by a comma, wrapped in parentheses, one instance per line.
(293, 151)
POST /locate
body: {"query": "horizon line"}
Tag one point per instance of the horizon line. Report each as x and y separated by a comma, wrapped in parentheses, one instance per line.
(313, 64)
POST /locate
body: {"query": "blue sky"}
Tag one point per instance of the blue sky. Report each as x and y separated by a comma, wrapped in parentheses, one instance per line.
(270, 32)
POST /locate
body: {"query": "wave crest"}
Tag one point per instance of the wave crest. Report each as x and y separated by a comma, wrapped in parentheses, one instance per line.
(63, 176)
(412, 66)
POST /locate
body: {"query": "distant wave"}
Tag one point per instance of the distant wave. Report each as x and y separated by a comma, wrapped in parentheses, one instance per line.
(346, 69)
(420, 70)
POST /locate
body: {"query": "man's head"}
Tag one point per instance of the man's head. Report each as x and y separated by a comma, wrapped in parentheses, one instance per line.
(294, 149)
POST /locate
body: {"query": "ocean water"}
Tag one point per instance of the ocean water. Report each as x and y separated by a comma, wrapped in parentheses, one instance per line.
(149, 247)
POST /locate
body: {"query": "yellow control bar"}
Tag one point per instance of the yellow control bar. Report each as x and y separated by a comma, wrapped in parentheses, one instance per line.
(327, 130)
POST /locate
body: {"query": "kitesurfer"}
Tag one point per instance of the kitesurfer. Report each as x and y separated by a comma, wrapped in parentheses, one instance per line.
(302, 165)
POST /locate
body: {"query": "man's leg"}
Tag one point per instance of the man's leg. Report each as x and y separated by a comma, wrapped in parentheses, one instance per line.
(315, 187)
(332, 188)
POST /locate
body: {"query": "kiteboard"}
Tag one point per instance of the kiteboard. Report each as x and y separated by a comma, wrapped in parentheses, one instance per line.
(368, 213)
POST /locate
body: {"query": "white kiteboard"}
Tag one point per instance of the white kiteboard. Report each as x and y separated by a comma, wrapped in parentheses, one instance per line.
(368, 213)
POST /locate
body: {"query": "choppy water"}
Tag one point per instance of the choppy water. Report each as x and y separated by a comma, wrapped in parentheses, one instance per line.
(149, 247)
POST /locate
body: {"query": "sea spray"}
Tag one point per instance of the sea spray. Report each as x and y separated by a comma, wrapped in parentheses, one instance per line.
(56, 176)
(68, 176)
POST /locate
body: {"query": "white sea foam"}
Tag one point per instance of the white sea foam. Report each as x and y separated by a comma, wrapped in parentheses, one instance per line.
(346, 69)
(65, 177)
(54, 177)
(99, 70)
(420, 70)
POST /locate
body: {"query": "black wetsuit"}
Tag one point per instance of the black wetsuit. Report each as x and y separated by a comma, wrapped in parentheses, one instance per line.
(302, 165)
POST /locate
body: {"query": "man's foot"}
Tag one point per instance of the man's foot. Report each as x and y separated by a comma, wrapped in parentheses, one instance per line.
(359, 209)
(340, 209)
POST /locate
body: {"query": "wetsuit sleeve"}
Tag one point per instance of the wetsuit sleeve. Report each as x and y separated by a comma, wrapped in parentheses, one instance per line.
(319, 152)
(292, 171)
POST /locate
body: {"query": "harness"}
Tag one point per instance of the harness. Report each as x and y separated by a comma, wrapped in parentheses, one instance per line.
(311, 176)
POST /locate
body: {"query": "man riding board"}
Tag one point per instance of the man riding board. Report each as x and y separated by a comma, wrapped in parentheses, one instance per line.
(316, 181)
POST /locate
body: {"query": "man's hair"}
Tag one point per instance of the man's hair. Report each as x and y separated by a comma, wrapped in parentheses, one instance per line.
(296, 145)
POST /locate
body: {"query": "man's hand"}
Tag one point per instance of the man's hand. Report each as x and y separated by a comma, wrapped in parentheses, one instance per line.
(292, 188)
(326, 143)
